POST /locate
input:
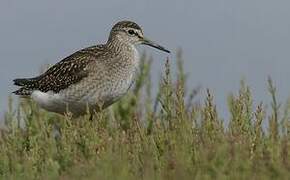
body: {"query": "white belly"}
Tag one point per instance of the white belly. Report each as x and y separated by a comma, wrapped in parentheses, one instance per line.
(49, 101)
(78, 104)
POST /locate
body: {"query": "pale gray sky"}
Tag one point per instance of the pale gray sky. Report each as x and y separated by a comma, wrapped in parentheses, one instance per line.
(222, 40)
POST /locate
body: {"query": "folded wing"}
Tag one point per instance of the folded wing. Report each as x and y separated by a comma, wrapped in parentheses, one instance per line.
(70, 70)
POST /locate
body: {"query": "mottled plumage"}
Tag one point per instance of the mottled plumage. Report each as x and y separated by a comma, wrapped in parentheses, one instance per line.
(92, 77)
(68, 71)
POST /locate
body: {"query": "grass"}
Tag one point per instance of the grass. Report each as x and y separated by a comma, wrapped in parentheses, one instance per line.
(142, 137)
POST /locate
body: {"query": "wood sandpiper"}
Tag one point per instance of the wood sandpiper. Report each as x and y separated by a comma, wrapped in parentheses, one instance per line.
(92, 77)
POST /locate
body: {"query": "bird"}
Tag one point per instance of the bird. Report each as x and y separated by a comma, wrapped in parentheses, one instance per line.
(92, 78)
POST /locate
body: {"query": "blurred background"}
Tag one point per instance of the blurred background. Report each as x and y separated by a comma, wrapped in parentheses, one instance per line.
(223, 41)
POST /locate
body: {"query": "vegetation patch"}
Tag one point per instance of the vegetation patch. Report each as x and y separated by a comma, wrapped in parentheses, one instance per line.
(169, 136)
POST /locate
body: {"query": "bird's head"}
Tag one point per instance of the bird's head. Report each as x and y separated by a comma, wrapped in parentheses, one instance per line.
(131, 33)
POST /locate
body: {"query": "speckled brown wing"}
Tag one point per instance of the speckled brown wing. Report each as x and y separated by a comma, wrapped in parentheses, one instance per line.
(63, 74)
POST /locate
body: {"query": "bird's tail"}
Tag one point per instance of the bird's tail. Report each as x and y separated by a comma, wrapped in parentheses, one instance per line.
(23, 92)
(22, 82)
(27, 86)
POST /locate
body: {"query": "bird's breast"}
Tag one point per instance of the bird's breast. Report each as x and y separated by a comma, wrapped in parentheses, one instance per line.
(122, 76)
(107, 83)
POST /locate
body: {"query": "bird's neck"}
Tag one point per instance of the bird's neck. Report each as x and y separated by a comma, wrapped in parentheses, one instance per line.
(126, 54)
(119, 46)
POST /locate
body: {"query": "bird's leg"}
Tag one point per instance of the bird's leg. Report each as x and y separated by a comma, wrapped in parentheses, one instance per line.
(112, 116)
(91, 112)
(91, 116)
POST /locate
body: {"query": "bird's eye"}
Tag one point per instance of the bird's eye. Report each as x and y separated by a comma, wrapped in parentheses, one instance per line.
(131, 32)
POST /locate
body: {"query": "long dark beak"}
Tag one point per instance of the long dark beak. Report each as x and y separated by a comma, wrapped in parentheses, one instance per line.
(153, 44)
